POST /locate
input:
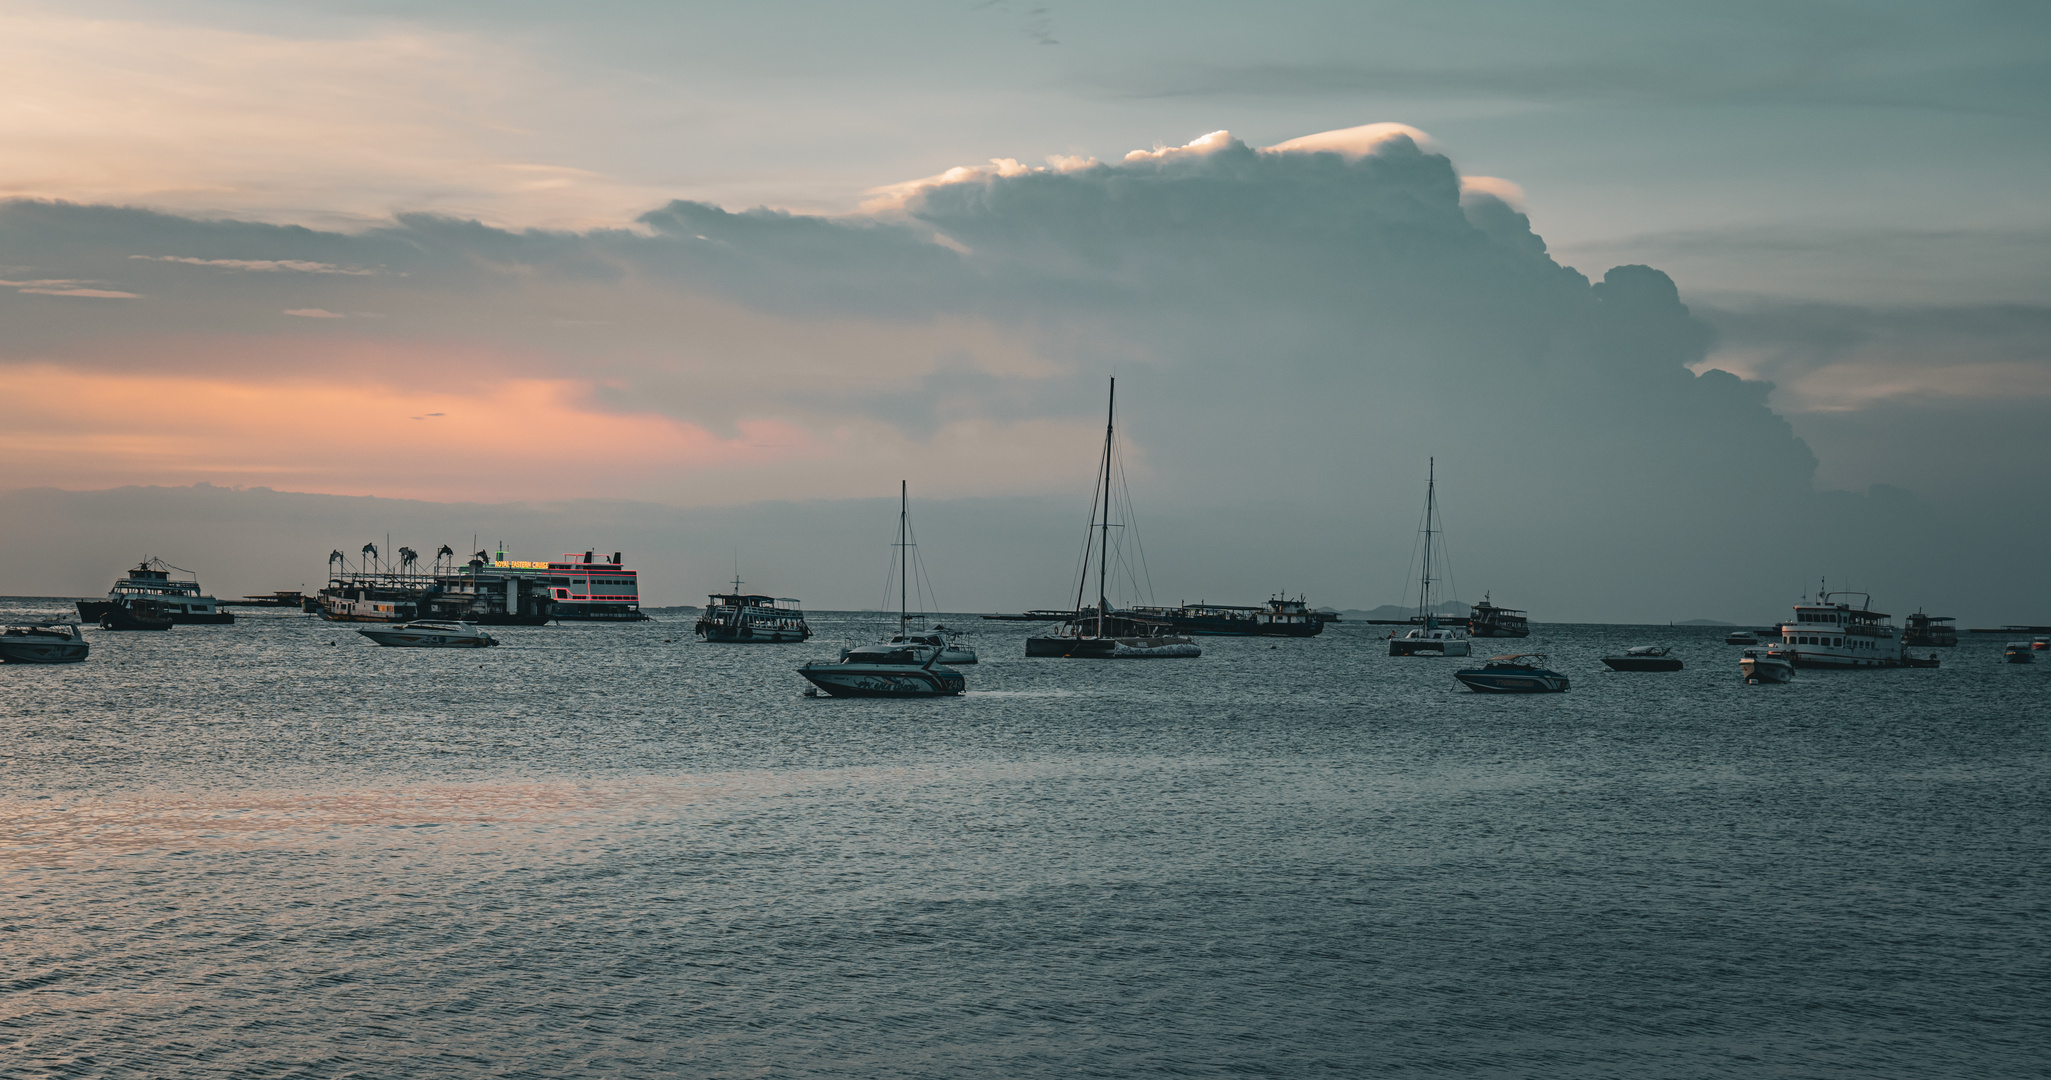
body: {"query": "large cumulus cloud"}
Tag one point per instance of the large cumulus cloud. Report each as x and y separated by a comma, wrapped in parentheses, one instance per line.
(1299, 328)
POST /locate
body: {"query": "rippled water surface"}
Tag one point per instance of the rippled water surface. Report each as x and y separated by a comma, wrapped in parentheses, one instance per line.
(274, 850)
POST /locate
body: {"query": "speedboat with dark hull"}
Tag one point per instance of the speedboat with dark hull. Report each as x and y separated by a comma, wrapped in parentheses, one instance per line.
(431, 635)
(887, 671)
(151, 580)
(1768, 665)
(1516, 674)
(1644, 658)
(43, 643)
(2018, 652)
(1488, 620)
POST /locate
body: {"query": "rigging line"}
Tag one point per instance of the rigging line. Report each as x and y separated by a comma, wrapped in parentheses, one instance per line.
(1132, 525)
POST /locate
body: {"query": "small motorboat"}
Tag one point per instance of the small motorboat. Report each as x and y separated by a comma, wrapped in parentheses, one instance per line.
(1516, 674)
(1644, 658)
(892, 671)
(1771, 665)
(2040, 644)
(2018, 652)
(1741, 637)
(136, 614)
(43, 643)
(430, 635)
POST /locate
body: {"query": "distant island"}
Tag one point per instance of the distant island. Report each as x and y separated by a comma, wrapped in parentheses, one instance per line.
(1704, 622)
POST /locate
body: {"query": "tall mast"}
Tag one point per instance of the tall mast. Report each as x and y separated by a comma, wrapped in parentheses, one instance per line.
(1104, 552)
(1430, 505)
(904, 510)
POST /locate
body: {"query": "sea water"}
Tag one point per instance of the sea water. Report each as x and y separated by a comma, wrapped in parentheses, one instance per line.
(275, 850)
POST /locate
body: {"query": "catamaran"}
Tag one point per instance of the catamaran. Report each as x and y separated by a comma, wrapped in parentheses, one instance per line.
(1097, 632)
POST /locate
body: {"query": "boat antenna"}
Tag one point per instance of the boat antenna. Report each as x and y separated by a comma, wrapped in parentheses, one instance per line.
(1104, 553)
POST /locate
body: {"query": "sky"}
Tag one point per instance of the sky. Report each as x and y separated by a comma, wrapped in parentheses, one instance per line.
(1692, 305)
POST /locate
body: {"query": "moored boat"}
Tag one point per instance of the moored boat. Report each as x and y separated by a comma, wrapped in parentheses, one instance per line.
(430, 635)
(953, 650)
(1100, 633)
(1832, 633)
(1928, 631)
(1768, 665)
(136, 614)
(1519, 673)
(1741, 637)
(1488, 620)
(1644, 658)
(151, 580)
(1427, 637)
(43, 643)
(2018, 652)
(751, 619)
(1279, 617)
(896, 671)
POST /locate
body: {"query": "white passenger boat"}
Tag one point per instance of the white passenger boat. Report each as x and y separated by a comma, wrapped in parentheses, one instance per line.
(1769, 665)
(43, 643)
(1428, 637)
(151, 581)
(1833, 633)
(752, 618)
(887, 671)
(431, 635)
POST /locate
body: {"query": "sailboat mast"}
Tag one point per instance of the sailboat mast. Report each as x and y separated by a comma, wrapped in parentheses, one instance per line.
(1430, 506)
(1104, 551)
(904, 510)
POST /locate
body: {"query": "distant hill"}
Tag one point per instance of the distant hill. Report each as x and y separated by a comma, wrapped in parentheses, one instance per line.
(1453, 609)
(1704, 622)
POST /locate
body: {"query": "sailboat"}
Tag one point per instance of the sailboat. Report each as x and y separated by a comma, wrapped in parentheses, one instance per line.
(1427, 636)
(908, 664)
(1098, 632)
(952, 649)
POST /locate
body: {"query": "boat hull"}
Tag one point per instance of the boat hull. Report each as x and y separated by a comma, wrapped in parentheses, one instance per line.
(1759, 670)
(1430, 647)
(94, 610)
(1128, 648)
(29, 650)
(1498, 631)
(751, 635)
(1642, 663)
(121, 618)
(2019, 656)
(884, 680)
(428, 639)
(1487, 681)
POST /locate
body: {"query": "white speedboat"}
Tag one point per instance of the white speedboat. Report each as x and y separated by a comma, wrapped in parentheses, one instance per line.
(1427, 637)
(1771, 665)
(43, 643)
(430, 635)
(887, 671)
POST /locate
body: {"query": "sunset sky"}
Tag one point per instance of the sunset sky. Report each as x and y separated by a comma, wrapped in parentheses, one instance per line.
(682, 269)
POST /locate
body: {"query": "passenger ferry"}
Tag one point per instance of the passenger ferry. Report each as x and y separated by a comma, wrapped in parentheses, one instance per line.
(151, 580)
(1838, 634)
(581, 588)
(1488, 620)
(752, 618)
(1929, 630)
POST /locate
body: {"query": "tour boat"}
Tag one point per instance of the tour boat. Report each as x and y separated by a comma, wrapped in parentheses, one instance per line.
(151, 580)
(43, 643)
(751, 618)
(1515, 674)
(1427, 636)
(1925, 631)
(1772, 665)
(1279, 617)
(431, 635)
(903, 670)
(1644, 658)
(1099, 633)
(1488, 620)
(1833, 633)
